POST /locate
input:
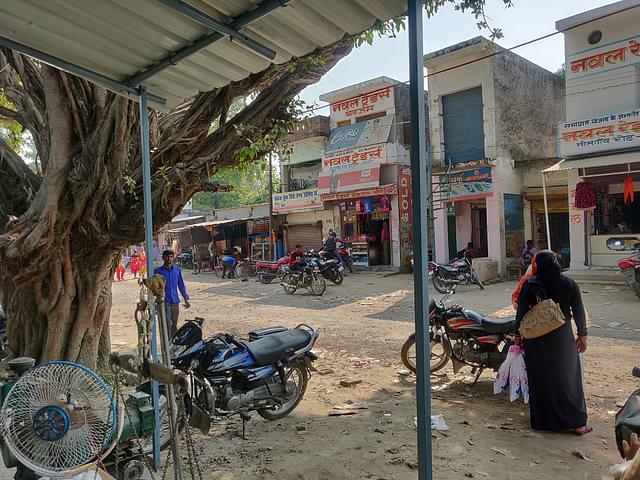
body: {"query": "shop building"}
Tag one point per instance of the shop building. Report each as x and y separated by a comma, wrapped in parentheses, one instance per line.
(365, 176)
(599, 140)
(491, 121)
(298, 206)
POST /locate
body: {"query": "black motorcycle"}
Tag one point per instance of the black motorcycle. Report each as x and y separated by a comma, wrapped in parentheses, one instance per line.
(266, 373)
(329, 269)
(464, 337)
(628, 418)
(458, 272)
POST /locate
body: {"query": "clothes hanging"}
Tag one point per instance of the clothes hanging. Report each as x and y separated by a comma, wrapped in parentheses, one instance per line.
(585, 196)
(628, 190)
(512, 375)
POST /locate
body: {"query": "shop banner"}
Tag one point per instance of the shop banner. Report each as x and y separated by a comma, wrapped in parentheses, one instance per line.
(373, 102)
(362, 133)
(406, 214)
(288, 201)
(352, 179)
(466, 185)
(613, 56)
(599, 134)
(352, 159)
(372, 192)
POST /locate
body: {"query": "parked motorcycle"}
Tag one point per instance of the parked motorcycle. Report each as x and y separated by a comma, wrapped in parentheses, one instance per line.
(630, 268)
(628, 418)
(267, 271)
(308, 278)
(268, 373)
(464, 337)
(459, 272)
(328, 268)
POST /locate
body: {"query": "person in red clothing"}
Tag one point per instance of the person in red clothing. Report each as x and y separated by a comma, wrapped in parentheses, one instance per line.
(135, 265)
(120, 271)
(296, 260)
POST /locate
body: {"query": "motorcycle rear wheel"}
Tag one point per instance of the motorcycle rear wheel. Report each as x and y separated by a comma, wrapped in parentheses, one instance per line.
(287, 284)
(297, 378)
(265, 277)
(439, 284)
(437, 361)
(336, 277)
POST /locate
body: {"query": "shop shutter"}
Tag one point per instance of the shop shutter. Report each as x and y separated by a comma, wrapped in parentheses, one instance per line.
(309, 236)
(463, 126)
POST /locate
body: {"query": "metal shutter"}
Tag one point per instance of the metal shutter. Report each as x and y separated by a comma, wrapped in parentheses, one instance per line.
(463, 126)
(309, 236)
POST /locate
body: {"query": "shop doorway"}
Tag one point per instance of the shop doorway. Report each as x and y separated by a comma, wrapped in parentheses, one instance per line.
(479, 230)
(453, 241)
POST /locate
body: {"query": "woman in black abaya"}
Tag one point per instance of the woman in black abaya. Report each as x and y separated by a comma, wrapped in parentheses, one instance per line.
(556, 394)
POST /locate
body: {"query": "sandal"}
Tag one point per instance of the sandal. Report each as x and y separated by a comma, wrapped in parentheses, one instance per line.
(582, 430)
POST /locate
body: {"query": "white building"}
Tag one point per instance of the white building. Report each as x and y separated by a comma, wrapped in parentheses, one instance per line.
(600, 137)
(489, 130)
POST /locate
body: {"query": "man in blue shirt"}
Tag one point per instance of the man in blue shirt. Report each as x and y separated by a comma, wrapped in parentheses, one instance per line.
(229, 263)
(174, 282)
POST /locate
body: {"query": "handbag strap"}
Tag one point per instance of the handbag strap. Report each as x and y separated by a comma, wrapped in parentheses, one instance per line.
(538, 290)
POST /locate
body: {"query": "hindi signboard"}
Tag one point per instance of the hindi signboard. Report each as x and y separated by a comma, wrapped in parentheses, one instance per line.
(366, 104)
(612, 56)
(466, 185)
(406, 214)
(296, 200)
(599, 134)
(345, 170)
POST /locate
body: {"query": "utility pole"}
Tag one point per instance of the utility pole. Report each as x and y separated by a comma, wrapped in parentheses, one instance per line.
(271, 245)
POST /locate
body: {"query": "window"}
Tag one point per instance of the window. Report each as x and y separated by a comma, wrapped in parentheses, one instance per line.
(371, 116)
(463, 125)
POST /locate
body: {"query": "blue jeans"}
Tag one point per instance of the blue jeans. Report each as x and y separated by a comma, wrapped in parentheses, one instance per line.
(335, 255)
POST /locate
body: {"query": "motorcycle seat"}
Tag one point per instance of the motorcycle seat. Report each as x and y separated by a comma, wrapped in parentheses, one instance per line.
(493, 325)
(278, 346)
(263, 332)
(449, 268)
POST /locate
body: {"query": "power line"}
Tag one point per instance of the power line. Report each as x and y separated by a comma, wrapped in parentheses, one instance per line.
(501, 51)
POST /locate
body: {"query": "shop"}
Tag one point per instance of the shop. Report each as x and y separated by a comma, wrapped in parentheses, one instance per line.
(367, 218)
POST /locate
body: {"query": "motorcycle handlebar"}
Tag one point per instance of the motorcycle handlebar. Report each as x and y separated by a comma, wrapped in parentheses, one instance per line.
(636, 372)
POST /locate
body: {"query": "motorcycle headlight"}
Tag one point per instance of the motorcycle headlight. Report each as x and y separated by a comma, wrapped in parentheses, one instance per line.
(176, 350)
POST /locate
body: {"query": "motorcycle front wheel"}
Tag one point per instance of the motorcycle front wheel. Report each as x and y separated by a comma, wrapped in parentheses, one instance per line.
(437, 361)
(318, 285)
(265, 277)
(439, 284)
(297, 378)
(287, 284)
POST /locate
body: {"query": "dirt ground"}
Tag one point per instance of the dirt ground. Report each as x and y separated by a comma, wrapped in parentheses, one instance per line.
(363, 324)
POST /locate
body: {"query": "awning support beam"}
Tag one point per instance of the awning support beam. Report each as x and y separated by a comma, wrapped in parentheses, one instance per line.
(217, 26)
(106, 82)
(173, 58)
(420, 236)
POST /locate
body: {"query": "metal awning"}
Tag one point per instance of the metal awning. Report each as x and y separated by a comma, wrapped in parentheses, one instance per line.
(215, 223)
(176, 49)
(592, 162)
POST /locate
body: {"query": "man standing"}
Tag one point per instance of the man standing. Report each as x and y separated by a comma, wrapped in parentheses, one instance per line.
(174, 282)
(527, 255)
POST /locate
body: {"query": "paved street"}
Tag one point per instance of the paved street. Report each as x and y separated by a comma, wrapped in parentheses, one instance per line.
(363, 325)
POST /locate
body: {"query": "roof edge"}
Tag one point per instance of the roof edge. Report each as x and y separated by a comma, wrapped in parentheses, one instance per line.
(595, 14)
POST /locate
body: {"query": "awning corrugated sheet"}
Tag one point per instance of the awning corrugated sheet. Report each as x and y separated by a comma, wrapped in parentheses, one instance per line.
(215, 223)
(591, 162)
(119, 38)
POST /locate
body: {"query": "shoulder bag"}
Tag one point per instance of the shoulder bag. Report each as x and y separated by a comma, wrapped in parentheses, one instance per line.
(544, 317)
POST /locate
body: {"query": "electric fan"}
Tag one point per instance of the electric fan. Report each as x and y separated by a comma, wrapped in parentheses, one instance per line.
(59, 419)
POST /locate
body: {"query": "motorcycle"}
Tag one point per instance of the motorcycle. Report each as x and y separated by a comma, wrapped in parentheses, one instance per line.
(344, 251)
(630, 268)
(628, 419)
(329, 269)
(463, 336)
(267, 271)
(268, 373)
(308, 278)
(459, 272)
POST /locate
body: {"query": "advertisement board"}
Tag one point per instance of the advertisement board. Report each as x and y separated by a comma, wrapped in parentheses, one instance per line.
(360, 134)
(366, 104)
(466, 185)
(599, 134)
(296, 200)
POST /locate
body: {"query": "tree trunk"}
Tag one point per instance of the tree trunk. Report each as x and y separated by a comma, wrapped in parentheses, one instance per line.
(67, 310)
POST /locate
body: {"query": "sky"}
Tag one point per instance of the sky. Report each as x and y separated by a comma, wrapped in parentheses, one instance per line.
(526, 20)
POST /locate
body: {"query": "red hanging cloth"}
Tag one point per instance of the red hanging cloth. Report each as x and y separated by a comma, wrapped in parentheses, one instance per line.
(628, 190)
(585, 196)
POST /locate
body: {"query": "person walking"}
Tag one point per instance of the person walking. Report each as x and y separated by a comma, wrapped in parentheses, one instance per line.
(527, 255)
(556, 393)
(120, 269)
(174, 282)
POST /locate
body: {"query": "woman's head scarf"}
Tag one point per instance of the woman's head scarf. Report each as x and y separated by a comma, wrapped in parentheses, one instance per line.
(547, 264)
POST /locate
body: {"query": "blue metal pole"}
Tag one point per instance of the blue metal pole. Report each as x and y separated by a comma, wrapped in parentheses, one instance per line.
(420, 236)
(148, 228)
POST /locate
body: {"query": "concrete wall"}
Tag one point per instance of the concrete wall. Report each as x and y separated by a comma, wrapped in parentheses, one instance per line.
(235, 213)
(306, 150)
(529, 106)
